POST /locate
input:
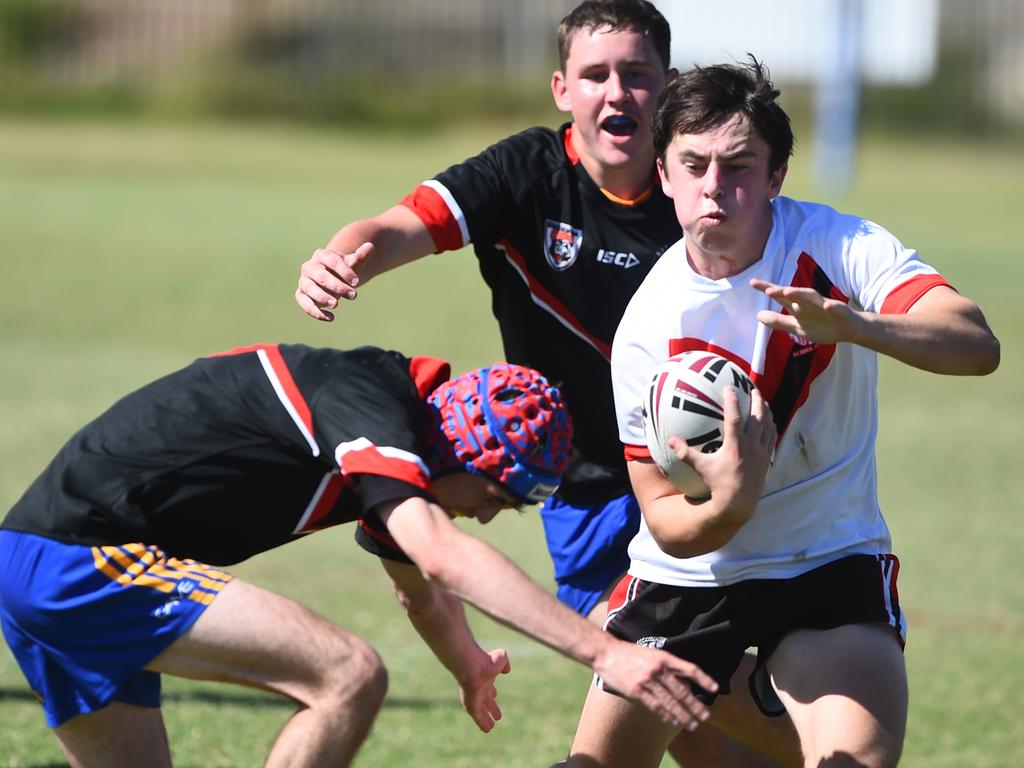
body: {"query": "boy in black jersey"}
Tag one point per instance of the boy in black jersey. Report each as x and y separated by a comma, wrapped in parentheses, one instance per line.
(565, 225)
(108, 572)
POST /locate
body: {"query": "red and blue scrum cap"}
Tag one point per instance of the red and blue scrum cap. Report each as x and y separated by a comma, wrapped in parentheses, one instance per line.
(506, 423)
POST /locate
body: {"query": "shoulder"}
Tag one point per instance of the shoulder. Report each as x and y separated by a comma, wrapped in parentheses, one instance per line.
(819, 219)
(652, 304)
(511, 166)
(534, 151)
(363, 368)
(824, 229)
(537, 138)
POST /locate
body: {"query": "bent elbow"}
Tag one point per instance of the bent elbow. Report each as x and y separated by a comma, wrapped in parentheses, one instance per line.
(983, 358)
(991, 358)
(683, 547)
(432, 567)
(694, 542)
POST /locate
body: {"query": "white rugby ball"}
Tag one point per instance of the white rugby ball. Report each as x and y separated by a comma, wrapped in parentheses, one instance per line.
(685, 400)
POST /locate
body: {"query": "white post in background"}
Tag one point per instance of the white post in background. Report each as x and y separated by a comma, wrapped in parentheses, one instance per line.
(837, 96)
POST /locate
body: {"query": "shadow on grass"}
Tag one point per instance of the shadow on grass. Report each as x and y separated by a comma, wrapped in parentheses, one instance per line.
(230, 696)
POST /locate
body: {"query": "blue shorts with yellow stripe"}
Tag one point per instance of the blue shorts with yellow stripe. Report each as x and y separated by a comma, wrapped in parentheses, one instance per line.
(83, 621)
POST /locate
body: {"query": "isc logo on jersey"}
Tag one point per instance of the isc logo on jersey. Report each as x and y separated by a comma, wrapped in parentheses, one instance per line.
(561, 244)
(624, 260)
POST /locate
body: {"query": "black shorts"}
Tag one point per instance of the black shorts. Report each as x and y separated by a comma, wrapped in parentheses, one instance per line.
(714, 626)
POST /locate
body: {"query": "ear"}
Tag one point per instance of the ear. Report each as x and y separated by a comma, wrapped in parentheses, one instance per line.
(666, 185)
(560, 92)
(671, 75)
(775, 183)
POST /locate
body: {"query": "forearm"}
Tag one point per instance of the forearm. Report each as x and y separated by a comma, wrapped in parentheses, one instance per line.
(943, 332)
(684, 528)
(483, 577)
(443, 627)
(398, 237)
(956, 341)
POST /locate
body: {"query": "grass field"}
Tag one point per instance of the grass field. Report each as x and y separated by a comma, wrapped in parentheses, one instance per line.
(130, 249)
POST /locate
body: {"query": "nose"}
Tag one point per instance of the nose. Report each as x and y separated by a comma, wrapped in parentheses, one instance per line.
(484, 516)
(713, 181)
(615, 90)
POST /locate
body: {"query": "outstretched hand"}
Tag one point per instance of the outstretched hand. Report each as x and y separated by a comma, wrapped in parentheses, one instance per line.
(809, 315)
(479, 694)
(328, 276)
(658, 681)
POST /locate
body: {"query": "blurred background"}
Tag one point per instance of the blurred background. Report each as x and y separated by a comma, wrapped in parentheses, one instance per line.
(940, 65)
(166, 166)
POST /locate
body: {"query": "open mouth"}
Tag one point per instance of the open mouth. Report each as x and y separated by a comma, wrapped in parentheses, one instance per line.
(619, 125)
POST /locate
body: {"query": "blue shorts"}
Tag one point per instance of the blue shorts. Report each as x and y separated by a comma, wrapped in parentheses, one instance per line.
(588, 546)
(83, 621)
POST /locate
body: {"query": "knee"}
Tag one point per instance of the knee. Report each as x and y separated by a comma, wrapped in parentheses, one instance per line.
(876, 753)
(355, 671)
(368, 673)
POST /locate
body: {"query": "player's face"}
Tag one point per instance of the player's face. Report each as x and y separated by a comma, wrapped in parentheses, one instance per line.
(466, 495)
(610, 85)
(721, 188)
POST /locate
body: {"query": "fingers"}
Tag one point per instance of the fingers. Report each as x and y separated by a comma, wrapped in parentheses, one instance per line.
(687, 670)
(493, 710)
(328, 276)
(761, 421)
(357, 257)
(483, 707)
(682, 450)
(671, 699)
(777, 321)
(481, 698)
(307, 305)
(499, 657)
(660, 682)
(732, 425)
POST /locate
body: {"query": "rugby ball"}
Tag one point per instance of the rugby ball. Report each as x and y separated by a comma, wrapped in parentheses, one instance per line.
(685, 400)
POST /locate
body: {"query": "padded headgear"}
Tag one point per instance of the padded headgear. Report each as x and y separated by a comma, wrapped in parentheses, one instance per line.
(506, 423)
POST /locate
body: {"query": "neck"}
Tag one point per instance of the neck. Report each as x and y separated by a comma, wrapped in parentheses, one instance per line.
(627, 182)
(716, 265)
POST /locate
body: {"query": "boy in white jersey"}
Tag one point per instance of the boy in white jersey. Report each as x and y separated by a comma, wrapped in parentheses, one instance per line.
(789, 554)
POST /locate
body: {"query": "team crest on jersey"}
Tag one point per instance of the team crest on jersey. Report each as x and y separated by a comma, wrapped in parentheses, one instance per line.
(561, 244)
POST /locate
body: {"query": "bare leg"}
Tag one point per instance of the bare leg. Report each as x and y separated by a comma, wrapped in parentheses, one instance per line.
(117, 736)
(846, 690)
(615, 733)
(251, 637)
(737, 734)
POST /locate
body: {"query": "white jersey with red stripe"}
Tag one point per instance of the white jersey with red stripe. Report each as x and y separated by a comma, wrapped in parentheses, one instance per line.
(820, 499)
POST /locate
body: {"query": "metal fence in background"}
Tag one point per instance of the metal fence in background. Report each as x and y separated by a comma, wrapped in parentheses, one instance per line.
(438, 43)
(110, 41)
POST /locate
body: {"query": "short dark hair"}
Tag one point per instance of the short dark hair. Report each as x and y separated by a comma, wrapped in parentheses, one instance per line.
(706, 97)
(616, 15)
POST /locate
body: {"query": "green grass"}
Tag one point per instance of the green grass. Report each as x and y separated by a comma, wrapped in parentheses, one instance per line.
(129, 249)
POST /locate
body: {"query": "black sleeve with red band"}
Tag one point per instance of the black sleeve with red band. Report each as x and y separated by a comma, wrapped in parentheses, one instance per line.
(371, 534)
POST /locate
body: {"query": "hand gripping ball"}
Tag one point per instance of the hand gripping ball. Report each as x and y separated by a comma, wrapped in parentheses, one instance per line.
(685, 400)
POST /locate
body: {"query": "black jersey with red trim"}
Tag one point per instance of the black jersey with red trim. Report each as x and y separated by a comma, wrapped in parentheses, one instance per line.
(562, 261)
(240, 452)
